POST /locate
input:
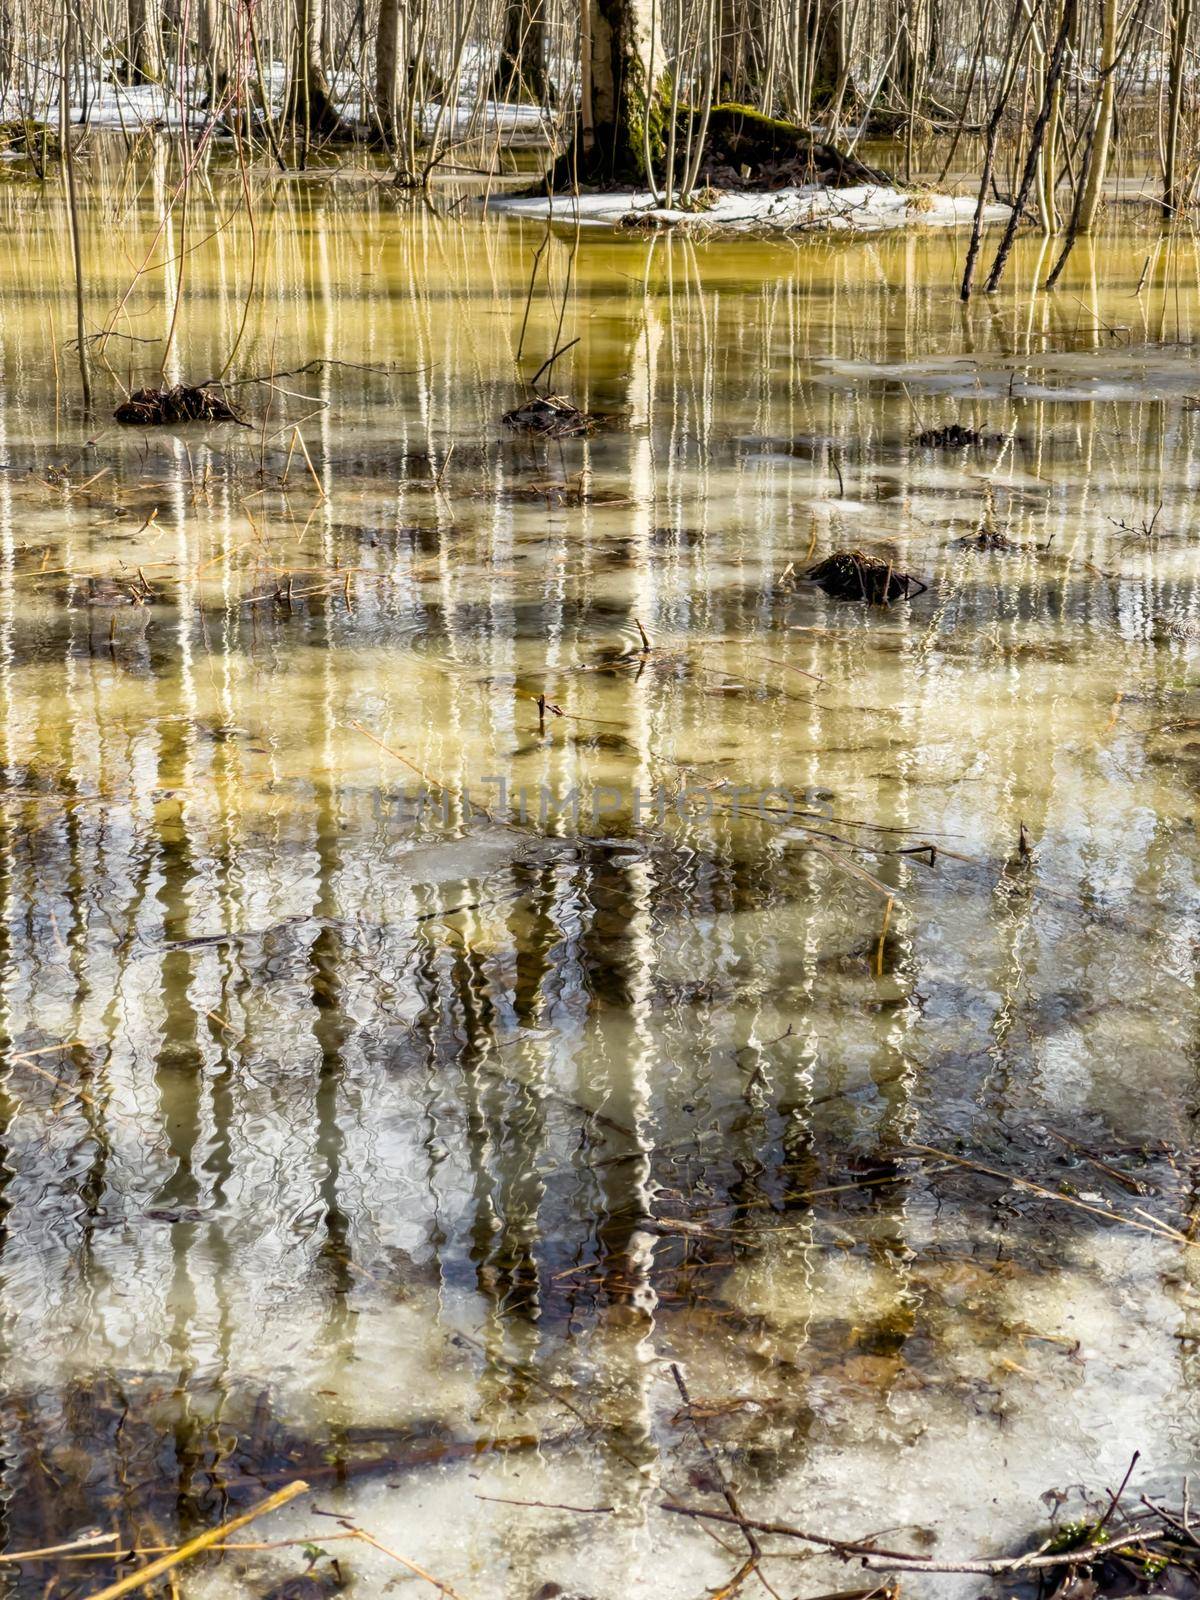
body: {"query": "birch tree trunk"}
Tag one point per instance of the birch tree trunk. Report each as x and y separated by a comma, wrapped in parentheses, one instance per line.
(621, 110)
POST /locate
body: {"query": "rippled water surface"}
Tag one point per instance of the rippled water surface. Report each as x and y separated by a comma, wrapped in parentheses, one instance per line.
(403, 1144)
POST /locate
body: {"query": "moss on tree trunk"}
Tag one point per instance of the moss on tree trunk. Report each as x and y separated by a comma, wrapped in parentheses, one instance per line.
(621, 114)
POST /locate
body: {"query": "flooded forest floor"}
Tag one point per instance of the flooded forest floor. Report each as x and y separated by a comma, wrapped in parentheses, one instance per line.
(523, 1009)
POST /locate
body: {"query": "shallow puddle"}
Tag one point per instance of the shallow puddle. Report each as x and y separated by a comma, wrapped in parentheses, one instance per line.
(369, 1120)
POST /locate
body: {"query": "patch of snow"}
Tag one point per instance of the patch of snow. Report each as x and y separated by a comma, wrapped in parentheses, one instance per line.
(1123, 372)
(109, 104)
(865, 208)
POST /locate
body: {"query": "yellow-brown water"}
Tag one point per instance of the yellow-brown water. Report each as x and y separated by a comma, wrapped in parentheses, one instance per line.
(342, 1133)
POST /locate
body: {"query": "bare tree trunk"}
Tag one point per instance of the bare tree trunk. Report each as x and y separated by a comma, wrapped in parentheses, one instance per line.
(145, 42)
(621, 112)
(1037, 135)
(521, 68)
(901, 79)
(310, 98)
(743, 27)
(1180, 13)
(1105, 110)
(7, 38)
(67, 160)
(1012, 55)
(1047, 173)
(828, 49)
(388, 56)
(212, 51)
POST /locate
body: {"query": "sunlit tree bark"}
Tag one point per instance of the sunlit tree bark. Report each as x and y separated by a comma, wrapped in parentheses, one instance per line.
(212, 50)
(388, 56)
(310, 102)
(1105, 114)
(619, 132)
(145, 48)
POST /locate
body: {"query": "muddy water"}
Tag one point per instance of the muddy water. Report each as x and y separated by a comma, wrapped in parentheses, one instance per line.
(361, 1125)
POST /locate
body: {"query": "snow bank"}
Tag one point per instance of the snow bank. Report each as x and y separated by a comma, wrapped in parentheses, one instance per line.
(867, 208)
(108, 104)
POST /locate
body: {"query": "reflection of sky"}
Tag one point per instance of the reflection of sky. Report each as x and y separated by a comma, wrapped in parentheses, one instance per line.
(343, 1089)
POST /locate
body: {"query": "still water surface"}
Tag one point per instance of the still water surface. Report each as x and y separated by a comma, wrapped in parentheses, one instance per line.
(404, 1148)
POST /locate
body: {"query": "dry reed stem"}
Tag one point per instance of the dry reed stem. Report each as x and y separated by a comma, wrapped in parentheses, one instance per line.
(84, 1542)
(202, 1542)
(1161, 1230)
(403, 759)
(420, 1572)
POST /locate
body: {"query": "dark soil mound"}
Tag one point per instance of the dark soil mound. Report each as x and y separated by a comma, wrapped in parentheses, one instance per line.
(22, 134)
(777, 154)
(742, 150)
(158, 407)
(851, 575)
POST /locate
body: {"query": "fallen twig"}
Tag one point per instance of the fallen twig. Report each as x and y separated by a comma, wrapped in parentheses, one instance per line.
(547, 1505)
(84, 1542)
(727, 1491)
(1160, 1230)
(550, 360)
(314, 366)
(879, 1560)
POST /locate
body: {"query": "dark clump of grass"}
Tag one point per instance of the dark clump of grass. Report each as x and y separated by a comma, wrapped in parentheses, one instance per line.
(25, 136)
(986, 539)
(148, 408)
(550, 417)
(952, 437)
(852, 575)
